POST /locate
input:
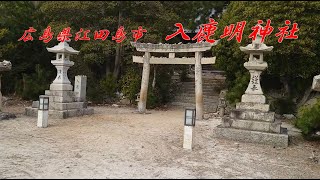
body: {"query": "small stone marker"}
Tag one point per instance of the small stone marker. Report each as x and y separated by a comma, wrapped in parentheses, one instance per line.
(188, 137)
(80, 85)
(189, 123)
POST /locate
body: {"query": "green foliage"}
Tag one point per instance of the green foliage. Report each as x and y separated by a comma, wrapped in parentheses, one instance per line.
(94, 92)
(103, 91)
(283, 106)
(34, 84)
(153, 99)
(309, 119)
(238, 88)
(130, 83)
(109, 86)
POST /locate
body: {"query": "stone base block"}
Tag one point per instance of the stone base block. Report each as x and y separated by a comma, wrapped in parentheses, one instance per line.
(65, 106)
(60, 96)
(277, 140)
(70, 113)
(33, 112)
(35, 104)
(252, 125)
(61, 87)
(252, 114)
(253, 106)
(30, 111)
(254, 98)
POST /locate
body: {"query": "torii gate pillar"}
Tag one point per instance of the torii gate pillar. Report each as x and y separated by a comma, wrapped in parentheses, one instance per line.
(144, 83)
(198, 86)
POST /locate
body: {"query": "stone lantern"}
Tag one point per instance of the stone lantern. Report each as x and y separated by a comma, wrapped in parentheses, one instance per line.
(255, 65)
(62, 63)
(64, 101)
(252, 121)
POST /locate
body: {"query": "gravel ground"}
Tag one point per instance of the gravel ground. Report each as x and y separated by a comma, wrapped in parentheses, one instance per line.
(116, 142)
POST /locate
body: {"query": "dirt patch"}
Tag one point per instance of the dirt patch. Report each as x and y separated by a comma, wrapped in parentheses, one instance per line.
(116, 142)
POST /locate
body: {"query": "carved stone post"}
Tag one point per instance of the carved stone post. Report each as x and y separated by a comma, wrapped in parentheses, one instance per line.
(198, 86)
(144, 83)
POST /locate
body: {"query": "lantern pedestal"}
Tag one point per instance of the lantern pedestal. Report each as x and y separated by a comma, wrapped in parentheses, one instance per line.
(188, 137)
(43, 118)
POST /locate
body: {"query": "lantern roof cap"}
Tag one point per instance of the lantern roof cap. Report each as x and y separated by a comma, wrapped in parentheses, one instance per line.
(63, 47)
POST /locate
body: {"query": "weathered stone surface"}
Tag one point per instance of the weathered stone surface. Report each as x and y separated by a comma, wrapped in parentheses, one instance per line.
(142, 104)
(35, 104)
(253, 98)
(252, 125)
(33, 112)
(80, 88)
(61, 87)
(316, 83)
(198, 87)
(252, 114)
(65, 106)
(277, 140)
(253, 106)
(289, 116)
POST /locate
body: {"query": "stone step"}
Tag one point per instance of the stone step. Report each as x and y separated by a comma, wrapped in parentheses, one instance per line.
(273, 139)
(191, 99)
(253, 125)
(193, 102)
(252, 114)
(66, 106)
(204, 83)
(188, 88)
(207, 108)
(192, 95)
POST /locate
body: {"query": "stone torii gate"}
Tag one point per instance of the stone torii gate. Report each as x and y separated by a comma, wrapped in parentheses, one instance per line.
(198, 60)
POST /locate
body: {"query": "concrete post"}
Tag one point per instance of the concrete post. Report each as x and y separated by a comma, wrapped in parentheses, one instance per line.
(80, 86)
(43, 118)
(144, 83)
(188, 137)
(198, 86)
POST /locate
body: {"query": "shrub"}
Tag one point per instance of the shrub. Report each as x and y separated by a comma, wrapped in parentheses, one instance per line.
(35, 84)
(103, 91)
(153, 100)
(238, 88)
(130, 84)
(309, 119)
(283, 106)
(94, 92)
